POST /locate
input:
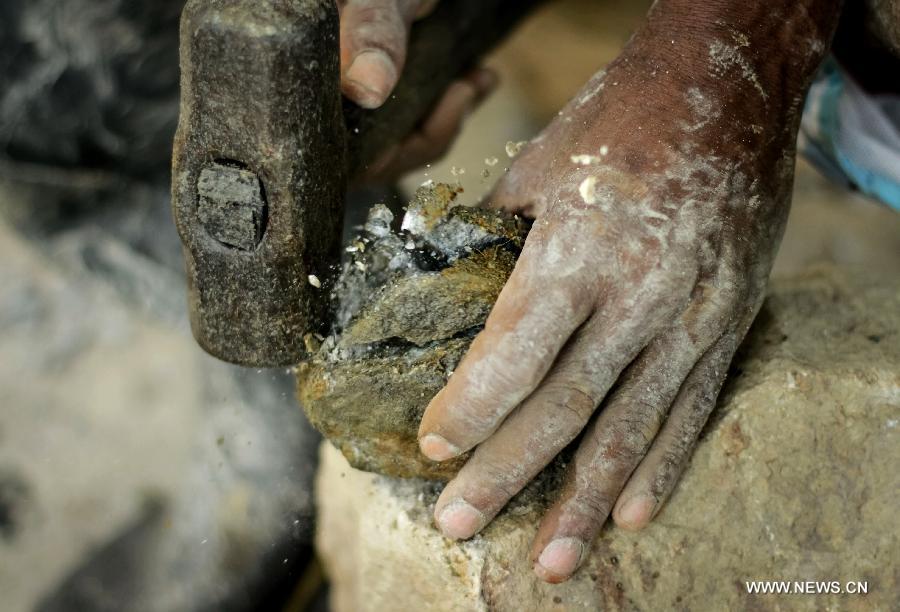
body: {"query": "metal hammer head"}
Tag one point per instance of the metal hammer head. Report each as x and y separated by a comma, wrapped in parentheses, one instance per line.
(261, 132)
(265, 146)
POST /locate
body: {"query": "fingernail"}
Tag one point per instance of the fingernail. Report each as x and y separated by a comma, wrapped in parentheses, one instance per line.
(370, 78)
(560, 558)
(460, 520)
(436, 448)
(637, 511)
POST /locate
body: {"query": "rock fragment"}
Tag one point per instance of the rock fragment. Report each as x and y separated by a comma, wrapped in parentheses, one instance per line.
(409, 304)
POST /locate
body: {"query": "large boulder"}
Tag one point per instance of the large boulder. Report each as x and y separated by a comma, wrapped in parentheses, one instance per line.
(794, 479)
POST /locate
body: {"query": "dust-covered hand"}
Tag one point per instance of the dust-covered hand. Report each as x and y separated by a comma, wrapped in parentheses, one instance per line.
(374, 36)
(661, 193)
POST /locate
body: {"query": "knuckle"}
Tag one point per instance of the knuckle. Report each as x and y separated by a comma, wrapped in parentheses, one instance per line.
(639, 428)
(379, 27)
(618, 448)
(633, 429)
(655, 423)
(666, 474)
(731, 296)
(680, 441)
(570, 400)
(593, 503)
(495, 378)
(728, 301)
(500, 479)
(673, 458)
(674, 455)
(651, 403)
(662, 293)
(472, 418)
(624, 456)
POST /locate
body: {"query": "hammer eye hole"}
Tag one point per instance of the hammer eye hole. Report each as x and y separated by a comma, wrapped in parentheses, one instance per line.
(232, 205)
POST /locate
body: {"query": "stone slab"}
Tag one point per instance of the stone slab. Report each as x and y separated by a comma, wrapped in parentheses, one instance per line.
(795, 478)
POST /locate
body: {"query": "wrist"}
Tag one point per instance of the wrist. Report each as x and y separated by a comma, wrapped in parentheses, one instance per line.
(754, 60)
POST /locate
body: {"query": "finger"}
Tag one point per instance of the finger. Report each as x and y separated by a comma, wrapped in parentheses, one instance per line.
(541, 427)
(436, 134)
(426, 7)
(622, 433)
(536, 312)
(460, 99)
(518, 190)
(655, 478)
(374, 35)
(618, 439)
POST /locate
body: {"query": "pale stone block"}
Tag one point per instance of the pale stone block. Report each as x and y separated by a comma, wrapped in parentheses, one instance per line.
(796, 478)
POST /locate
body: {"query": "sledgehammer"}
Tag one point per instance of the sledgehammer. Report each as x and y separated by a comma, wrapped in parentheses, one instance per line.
(266, 147)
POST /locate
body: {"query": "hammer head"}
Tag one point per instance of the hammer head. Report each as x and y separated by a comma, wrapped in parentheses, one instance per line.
(264, 150)
(261, 132)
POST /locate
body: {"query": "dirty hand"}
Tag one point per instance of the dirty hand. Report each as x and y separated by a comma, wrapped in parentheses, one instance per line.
(661, 193)
(374, 37)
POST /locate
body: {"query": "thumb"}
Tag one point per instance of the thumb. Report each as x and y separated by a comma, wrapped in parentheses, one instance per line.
(518, 190)
(374, 35)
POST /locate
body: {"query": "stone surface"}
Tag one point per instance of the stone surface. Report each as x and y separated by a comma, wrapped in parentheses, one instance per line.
(795, 478)
(409, 305)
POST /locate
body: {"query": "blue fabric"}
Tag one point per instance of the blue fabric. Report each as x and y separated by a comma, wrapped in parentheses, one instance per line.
(872, 184)
(823, 133)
